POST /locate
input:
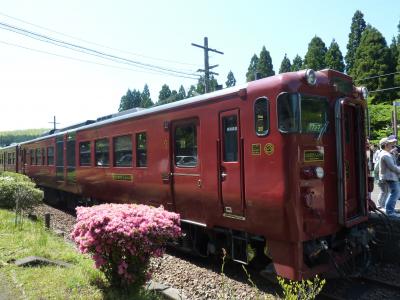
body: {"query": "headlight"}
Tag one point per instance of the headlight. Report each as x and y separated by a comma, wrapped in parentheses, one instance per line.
(364, 92)
(311, 77)
(319, 172)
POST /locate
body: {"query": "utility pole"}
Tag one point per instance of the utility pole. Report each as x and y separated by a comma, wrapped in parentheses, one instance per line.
(207, 66)
(54, 123)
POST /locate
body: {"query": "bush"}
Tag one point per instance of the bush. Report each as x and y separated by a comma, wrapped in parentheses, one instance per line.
(301, 290)
(18, 188)
(122, 237)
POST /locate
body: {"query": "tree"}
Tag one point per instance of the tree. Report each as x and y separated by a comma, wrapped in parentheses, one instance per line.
(252, 69)
(126, 101)
(372, 59)
(192, 91)
(334, 57)
(356, 30)
(201, 87)
(394, 52)
(264, 65)
(213, 84)
(231, 81)
(315, 56)
(145, 98)
(286, 66)
(297, 63)
(181, 93)
(165, 93)
(137, 98)
(397, 76)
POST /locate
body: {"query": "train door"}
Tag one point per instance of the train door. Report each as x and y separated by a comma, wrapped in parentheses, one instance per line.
(231, 181)
(71, 157)
(21, 160)
(60, 158)
(352, 162)
(185, 169)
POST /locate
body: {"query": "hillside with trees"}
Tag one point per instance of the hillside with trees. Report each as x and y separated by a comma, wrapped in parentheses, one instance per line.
(18, 136)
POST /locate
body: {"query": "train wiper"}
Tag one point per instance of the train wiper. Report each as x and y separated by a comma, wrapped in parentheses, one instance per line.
(322, 130)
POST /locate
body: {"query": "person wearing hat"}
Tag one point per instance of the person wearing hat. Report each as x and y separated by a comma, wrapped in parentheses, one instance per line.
(389, 172)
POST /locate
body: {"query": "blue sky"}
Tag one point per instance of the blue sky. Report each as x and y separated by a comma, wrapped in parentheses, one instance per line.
(36, 86)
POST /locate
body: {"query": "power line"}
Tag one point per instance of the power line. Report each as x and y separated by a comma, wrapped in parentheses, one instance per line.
(88, 51)
(388, 89)
(92, 62)
(96, 44)
(377, 76)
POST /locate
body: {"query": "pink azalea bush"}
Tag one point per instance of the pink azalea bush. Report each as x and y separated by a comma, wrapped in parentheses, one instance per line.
(122, 237)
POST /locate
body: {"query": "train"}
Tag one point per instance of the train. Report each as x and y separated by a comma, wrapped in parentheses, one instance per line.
(275, 168)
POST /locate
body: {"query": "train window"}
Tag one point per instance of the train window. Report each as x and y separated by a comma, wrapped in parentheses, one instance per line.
(84, 154)
(230, 129)
(314, 114)
(50, 155)
(141, 149)
(288, 112)
(186, 145)
(102, 154)
(38, 156)
(261, 116)
(123, 151)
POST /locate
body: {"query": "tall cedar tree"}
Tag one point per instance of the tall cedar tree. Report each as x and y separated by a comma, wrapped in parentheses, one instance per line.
(231, 81)
(315, 56)
(181, 93)
(126, 101)
(264, 65)
(165, 93)
(146, 100)
(297, 63)
(252, 69)
(137, 98)
(356, 30)
(334, 58)
(397, 76)
(372, 59)
(286, 66)
(394, 56)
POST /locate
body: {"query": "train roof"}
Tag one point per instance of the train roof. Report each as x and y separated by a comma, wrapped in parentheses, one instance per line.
(134, 113)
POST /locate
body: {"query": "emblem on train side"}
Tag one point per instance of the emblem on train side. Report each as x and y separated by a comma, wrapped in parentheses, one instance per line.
(122, 177)
(313, 155)
(269, 148)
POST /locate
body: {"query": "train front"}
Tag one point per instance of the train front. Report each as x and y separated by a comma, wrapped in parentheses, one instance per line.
(323, 125)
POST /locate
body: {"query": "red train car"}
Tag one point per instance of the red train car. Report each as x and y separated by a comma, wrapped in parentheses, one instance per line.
(276, 166)
(9, 158)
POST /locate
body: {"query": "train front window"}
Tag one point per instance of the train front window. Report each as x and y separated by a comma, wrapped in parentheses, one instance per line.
(302, 113)
(288, 112)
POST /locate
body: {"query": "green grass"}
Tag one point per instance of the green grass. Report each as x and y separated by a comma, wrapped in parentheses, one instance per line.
(82, 281)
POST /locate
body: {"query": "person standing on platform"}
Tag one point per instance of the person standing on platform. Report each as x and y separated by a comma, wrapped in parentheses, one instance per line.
(389, 172)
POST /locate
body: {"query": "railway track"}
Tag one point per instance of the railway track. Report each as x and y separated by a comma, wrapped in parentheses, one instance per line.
(363, 287)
